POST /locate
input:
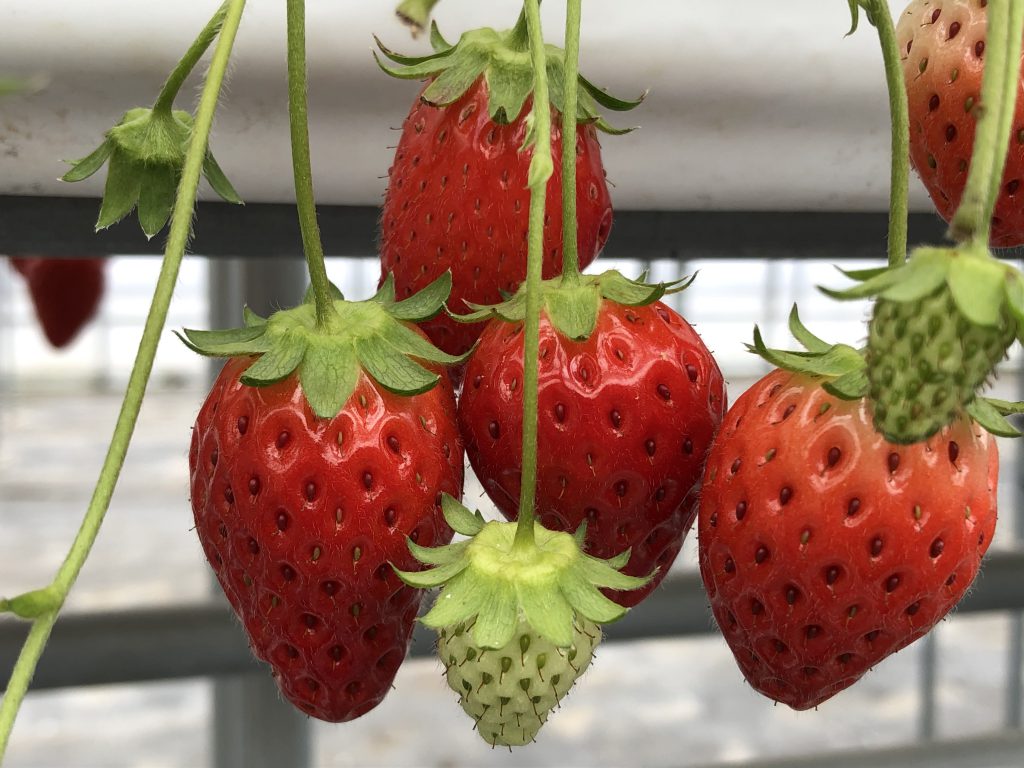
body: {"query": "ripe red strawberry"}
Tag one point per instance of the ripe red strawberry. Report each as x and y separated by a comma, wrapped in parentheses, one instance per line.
(943, 45)
(457, 194)
(626, 419)
(823, 547)
(65, 293)
(301, 518)
(457, 199)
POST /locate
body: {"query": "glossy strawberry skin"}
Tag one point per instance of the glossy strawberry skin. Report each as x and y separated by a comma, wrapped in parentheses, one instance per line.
(457, 199)
(625, 421)
(65, 293)
(301, 519)
(943, 49)
(823, 547)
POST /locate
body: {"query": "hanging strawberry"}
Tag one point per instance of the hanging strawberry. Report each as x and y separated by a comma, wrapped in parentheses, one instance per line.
(457, 195)
(65, 293)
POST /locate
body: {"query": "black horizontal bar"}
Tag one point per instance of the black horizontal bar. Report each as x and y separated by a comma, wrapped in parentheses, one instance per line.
(63, 226)
(206, 640)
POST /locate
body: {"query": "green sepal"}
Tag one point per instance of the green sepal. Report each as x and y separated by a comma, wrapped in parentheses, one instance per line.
(849, 386)
(424, 304)
(977, 286)
(808, 340)
(121, 192)
(392, 369)
(409, 342)
(218, 181)
(329, 374)
(415, 13)
(573, 310)
(459, 518)
(156, 198)
(835, 361)
(230, 343)
(279, 361)
(88, 165)
(495, 582)
(1015, 297)
(503, 61)
(333, 290)
(251, 319)
(386, 293)
(985, 411)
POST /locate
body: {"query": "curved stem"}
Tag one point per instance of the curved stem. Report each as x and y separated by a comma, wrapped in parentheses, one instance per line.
(899, 174)
(570, 246)
(540, 171)
(298, 118)
(165, 99)
(181, 223)
(972, 222)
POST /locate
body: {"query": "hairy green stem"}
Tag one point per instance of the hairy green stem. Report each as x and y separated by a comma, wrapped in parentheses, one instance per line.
(972, 222)
(181, 223)
(570, 246)
(165, 99)
(899, 173)
(540, 172)
(298, 118)
(1014, 31)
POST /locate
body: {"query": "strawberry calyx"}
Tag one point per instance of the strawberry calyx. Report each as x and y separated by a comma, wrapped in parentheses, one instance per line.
(573, 305)
(415, 13)
(146, 154)
(502, 59)
(371, 336)
(491, 582)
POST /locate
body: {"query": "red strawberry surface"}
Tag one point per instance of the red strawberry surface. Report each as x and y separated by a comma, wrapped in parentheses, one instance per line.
(301, 518)
(943, 48)
(823, 547)
(457, 199)
(65, 293)
(625, 422)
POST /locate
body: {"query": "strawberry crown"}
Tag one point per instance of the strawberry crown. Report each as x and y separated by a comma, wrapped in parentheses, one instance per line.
(503, 60)
(486, 579)
(572, 305)
(369, 336)
(841, 370)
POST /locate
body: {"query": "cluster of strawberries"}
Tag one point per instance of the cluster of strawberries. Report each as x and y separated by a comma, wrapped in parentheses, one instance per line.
(825, 543)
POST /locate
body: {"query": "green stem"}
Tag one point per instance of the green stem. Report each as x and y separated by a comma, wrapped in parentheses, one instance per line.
(298, 118)
(181, 223)
(570, 246)
(899, 115)
(540, 171)
(165, 99)
(1014, 30)
(972, 222)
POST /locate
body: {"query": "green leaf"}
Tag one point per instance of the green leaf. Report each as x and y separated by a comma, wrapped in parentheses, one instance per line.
(608, 101)
(976, 285)
(424, 304)
(124, 181)
(156, 197)
(547, 611)
(983, 412)
(586, 599)
(283, 357)
(228, 343)
(88, 165)
(218, 181)
(630, 293)
(460, 519)
(328, 375)
(573, 311)
(809, 341)
(433, 577)
(498, 617)
(459, 73)
(442, 555)
(386, 293)
(460, 600)
(393, 370)
(606, 573)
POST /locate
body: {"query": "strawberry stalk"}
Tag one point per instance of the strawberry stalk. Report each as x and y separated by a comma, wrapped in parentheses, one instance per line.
(165, 99)
(570, 247)
(304, 199)
(541, 167)
(972, 222)
(43, 606)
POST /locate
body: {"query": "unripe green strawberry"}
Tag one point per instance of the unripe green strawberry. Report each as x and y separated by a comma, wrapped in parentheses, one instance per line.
(926, 361)
(510, 691)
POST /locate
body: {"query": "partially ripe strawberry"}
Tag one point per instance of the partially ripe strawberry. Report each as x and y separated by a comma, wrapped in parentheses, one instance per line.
(301, 519)
(943, 48)
(823, 547)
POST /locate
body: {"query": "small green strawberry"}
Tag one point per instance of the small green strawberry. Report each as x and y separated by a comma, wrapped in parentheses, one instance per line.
(510, 691)
(940, 325)
(517, 619)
